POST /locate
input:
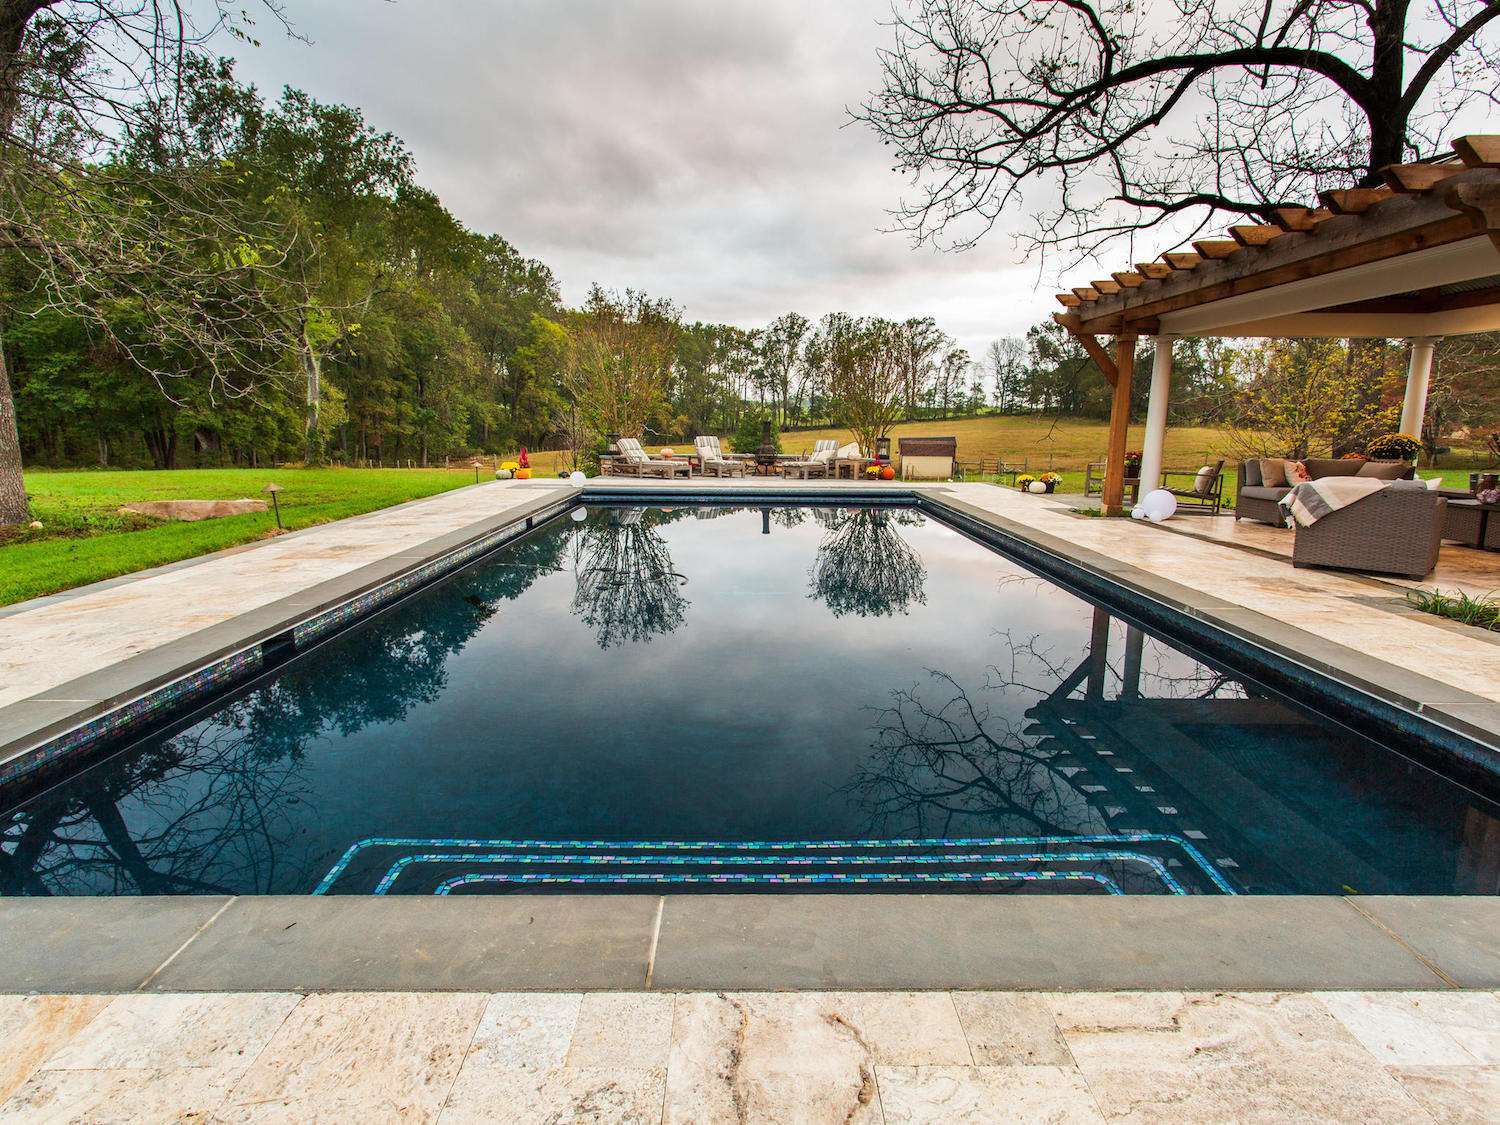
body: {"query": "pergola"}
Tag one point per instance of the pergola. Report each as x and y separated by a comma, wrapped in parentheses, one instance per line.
(1418, 257)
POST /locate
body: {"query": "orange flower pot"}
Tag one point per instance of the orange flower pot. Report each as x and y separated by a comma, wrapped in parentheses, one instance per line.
(523, 474)
(887, 473)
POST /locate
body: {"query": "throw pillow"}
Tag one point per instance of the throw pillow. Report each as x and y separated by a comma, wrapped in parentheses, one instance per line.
(1204, 480)
(822, 456)
(849, 451)
(1273, 473)
(1383, 470)
(1296, 472)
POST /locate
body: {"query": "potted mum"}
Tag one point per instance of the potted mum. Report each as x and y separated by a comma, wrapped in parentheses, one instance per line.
(1023, 482)
(1395, 447)
(1051, 480)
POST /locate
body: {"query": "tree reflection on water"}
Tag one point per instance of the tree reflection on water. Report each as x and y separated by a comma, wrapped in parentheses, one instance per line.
(220, 807)
(864, 566)
(627, 590)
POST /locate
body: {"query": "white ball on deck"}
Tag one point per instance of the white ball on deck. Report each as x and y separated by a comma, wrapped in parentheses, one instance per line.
(576, 477)
(1036, 486)
(1159, 505)
(578, 515)
(1138, 513)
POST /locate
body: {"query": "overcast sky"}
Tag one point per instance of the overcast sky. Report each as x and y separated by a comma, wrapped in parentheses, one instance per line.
(698, 150)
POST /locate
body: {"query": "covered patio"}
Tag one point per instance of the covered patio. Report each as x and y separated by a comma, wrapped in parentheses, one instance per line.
(1418, 257)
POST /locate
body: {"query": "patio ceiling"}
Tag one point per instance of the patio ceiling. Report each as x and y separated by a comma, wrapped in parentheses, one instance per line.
(1418, 256)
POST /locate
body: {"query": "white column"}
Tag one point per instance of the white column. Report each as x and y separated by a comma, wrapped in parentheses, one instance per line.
(1414, 408)
(1156, 414)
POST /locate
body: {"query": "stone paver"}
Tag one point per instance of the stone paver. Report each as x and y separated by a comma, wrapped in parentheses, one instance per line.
(753, 1056)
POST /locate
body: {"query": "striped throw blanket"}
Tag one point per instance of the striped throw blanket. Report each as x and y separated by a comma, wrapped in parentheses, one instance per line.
(1311, 500)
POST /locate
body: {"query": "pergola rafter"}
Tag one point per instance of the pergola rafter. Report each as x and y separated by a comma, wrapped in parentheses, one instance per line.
(1418, 256)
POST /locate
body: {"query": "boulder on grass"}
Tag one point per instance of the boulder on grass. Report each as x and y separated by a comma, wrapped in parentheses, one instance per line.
(193, 509)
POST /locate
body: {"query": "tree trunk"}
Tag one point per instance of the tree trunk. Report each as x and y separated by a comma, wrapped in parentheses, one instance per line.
(13, 508)
(313, 439)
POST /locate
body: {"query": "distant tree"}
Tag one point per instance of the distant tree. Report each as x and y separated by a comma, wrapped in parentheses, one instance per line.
(620, 358)
(1125, 115)
(780, 348)
(864, 370)
(920, 340)
(1005, 360)
(1304, 398)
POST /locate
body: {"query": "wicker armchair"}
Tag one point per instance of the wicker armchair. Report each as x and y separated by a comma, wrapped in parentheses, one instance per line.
(1394, 531)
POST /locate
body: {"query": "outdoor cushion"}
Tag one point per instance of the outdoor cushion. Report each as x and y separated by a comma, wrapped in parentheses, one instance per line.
(822, 456)
(1383, 470)
(848, 452)
(1319, 467)
(1262, 492)
(1296, 472)
(1273, 473)
(1205, 478)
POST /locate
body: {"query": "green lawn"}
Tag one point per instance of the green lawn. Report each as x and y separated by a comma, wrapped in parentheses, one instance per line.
(84, 537)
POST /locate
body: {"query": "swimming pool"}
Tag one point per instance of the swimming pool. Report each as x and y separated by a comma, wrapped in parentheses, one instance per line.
(714, 697)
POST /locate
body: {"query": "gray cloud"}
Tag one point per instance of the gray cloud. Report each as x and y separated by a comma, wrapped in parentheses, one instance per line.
(698, 150)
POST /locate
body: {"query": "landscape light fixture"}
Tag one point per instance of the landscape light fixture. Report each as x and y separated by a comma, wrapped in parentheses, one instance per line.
(273, 489)
(477, 466)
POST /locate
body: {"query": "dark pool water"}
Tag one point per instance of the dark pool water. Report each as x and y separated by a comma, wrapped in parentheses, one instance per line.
(712, 698)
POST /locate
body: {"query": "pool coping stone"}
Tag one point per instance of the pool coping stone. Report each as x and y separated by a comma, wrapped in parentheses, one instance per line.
(748, 941)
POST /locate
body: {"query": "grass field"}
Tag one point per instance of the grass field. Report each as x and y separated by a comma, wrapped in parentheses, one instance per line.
(85, 538)
(1067, 444)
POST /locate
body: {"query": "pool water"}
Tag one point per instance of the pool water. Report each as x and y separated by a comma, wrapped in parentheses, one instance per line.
(732, 698)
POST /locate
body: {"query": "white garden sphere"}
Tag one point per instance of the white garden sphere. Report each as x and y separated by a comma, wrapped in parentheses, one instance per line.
(502, 474)
(1138, 513)
(1036, 486)
(1159, 505)
(578, 515)
(576, 477)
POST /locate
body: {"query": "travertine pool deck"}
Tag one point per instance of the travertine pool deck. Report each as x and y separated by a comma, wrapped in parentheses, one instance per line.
(752, 1057)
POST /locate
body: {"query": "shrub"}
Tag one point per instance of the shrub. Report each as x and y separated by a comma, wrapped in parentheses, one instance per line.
(746, 438)
(1394, 447)
(1481, 612)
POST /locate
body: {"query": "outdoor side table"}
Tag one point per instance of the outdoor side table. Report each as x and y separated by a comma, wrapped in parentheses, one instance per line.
(1469, 522)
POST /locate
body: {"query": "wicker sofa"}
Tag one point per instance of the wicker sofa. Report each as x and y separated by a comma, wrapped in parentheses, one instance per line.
(1394, 531)
(1255, 500)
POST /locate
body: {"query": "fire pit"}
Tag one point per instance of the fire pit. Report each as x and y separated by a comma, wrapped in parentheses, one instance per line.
(765, 453)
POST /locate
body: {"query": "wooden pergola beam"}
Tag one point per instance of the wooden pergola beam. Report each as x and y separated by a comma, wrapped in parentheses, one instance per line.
(1181, 260)
(1084, 293)
(1415, 179)
(1353, 201)
(1101, 358)
(1109, 287)
(1259, 235)
(1478, 151)
(1128, 279)
(1215, 248)
(1299, 219)
(1153, 271)
(1069, 300)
